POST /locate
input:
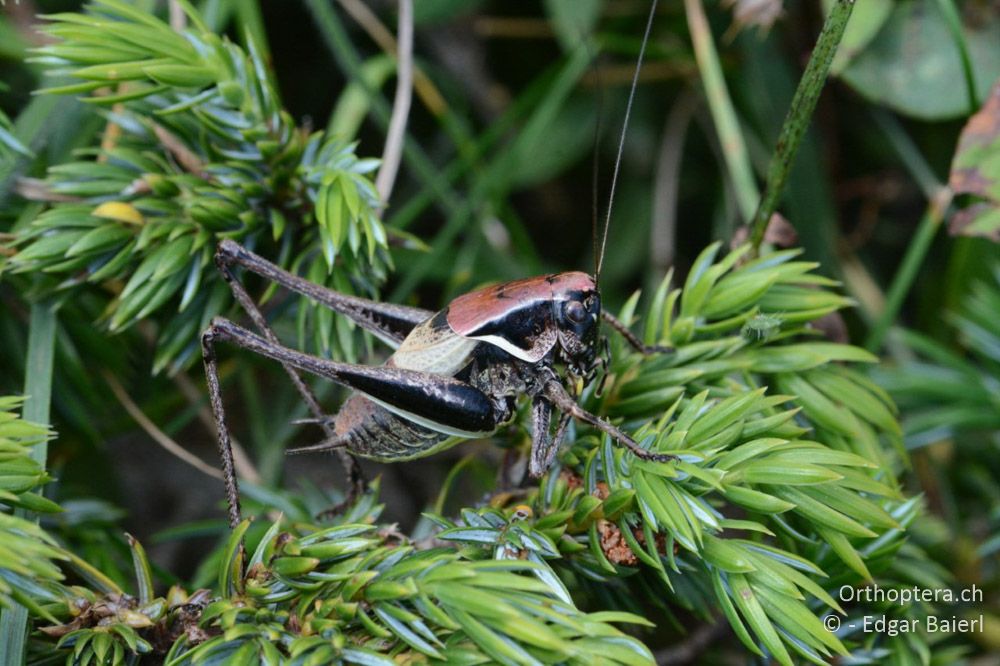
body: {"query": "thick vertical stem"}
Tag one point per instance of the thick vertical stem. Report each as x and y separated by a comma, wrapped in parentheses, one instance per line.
(797, 120)
(38, 391)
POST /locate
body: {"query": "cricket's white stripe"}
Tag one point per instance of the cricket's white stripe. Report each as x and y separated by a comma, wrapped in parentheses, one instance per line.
(513, 350)
(427, 423)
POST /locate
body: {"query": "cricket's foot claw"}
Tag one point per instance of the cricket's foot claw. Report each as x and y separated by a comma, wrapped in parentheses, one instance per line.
(656, 457)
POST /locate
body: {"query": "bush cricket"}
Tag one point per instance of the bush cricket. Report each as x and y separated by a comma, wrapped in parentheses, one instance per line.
(454, 374)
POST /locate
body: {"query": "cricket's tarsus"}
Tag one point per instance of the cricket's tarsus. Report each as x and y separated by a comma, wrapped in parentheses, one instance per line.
(455, 374)
(631, 337)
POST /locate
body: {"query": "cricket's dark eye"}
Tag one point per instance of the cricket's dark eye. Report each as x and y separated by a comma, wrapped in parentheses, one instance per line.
(575, 312)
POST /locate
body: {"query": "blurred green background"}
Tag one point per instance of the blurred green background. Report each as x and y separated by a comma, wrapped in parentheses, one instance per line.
(497, 181)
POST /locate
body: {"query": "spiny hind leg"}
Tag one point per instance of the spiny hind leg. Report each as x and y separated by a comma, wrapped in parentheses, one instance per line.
(355, 480)
(437, 402)
(230, 253)
(631, 337)
(222, 429)
(391, 323)
(351, 416)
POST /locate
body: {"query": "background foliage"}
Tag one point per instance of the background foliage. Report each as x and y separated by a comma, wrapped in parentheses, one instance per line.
(263, 122)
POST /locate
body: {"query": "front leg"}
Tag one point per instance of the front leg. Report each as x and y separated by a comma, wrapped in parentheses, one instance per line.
(556, 393)
(631, 337)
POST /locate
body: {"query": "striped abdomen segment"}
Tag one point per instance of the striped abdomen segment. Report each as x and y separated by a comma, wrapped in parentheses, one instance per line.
(372, 431)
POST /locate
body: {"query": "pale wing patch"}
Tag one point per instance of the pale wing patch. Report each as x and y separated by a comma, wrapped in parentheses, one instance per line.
(435, 351)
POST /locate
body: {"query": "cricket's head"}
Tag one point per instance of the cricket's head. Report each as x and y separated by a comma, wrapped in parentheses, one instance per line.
(577, 306)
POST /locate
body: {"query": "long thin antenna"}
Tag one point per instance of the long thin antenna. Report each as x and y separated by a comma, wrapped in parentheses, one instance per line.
(621, 141)
(595, 169)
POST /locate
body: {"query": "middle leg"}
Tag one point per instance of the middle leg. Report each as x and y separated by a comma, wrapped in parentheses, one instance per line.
(556, 393)
(356, 483)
